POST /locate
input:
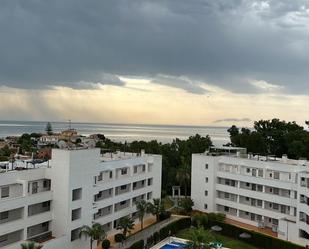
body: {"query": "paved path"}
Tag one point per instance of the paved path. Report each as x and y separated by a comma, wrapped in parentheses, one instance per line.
(146, 233)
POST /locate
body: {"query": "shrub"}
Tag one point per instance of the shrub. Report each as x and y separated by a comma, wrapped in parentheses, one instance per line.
(216, 217)
(199, 220)
(138, 245)
(164, 215)
(174, 227)
(186, 204)
(156, 237)
(106, 244)
(119, 237)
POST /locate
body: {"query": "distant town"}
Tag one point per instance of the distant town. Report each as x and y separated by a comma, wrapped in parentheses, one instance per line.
(38, 146)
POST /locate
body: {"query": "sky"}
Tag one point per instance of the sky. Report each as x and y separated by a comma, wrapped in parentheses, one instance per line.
(198, 62)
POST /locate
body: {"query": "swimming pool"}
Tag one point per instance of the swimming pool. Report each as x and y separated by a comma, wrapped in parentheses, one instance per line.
(173, 245)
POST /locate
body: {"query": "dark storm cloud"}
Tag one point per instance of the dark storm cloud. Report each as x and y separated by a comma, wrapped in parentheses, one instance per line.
(224, 42)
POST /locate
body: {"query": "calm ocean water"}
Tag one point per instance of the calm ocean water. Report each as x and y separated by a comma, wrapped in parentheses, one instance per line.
(120, 132)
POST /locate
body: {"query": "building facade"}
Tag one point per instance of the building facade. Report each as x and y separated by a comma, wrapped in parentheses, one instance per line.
(264, 192)
(50, 203)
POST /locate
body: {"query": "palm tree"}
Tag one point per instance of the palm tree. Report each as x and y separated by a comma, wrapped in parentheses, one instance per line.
(126, 224)
(95, 232)
(156, 208)
(199, 238)
(183, 174)
(31, 245)
(142, 208)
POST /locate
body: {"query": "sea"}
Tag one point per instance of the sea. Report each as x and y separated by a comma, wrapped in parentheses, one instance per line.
(119, 132)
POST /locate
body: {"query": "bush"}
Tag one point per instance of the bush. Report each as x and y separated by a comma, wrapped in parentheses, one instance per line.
(186, 204)
(257, 239)
(216, 217)
(150, 241)
(106, 244)
(156, 237)
(200, 220)
(137, 245)
(174, 227)
(164, 215)
(119, 237)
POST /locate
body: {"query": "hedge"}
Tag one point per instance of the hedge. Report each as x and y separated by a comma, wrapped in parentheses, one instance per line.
(257, 239)
(174, 227)
(137, 245)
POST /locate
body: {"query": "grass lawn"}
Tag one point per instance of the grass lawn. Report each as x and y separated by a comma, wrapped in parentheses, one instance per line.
(227, 241)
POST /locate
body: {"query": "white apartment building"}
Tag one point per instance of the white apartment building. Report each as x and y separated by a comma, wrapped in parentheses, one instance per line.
(49, 203)
(265, 192)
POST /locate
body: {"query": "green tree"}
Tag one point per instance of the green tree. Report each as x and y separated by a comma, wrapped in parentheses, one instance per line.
(126, 224)
(199, 238)
(31, 245)
(186, 204)
(183, 175)
(156, 208)
(142, 209)
(49, 129)
(95, 232)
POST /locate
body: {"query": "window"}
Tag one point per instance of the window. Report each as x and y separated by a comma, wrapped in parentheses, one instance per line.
(205, 206)
(4, 215)
(124, 171)
(100, 177)
(248, 170)
(76, 214)
(135, 169)
(206, 179)
(260, 173)
(206, 193)
(226, 195)
(149, 195)
(75, 234)
(226, 209)
(144, 168)
(276, 175)
(134, 184)
(3, 238)
(206, 166)
(123, 187)
(122, 203)
(247, 184)
(5, 192)
(45, 224)
(247, 198)
(110, 174)
(45, 184)
(46, 204)
(149, 181)
(76, 194)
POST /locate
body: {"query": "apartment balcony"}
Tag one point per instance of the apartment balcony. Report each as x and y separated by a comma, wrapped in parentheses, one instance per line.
(10, 238)
(104, 194)
(104, 177)
(39, 231)
(139, 169)
(257, 195)
(137, 199)
(122, 173)
(11, 215)
(39, 208)
(39, 186)
(139, 184)
(121, 205)
(123, 189)
(43, 237)
(103, 212)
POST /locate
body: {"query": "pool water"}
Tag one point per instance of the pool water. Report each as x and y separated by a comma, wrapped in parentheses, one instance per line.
(173, 245)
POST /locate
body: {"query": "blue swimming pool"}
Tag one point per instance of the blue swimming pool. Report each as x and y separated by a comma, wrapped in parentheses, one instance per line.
(173, 245)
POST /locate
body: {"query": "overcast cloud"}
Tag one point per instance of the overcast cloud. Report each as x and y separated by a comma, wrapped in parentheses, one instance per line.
(226, 43)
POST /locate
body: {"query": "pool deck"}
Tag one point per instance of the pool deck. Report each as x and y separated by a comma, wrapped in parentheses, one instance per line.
(266, 231)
